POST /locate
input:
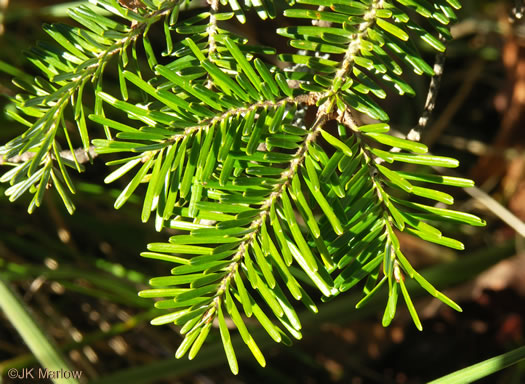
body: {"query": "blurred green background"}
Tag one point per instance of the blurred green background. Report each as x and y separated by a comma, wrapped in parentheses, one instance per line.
(79, 275)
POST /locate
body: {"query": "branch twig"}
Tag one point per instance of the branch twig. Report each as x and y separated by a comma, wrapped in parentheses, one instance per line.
(80, 154)
(433, 89)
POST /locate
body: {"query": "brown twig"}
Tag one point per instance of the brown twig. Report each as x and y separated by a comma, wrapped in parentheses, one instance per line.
(82, 156)
(433, 90)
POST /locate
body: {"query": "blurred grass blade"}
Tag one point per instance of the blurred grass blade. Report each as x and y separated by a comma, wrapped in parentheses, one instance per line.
(28, 329)
(483, 369)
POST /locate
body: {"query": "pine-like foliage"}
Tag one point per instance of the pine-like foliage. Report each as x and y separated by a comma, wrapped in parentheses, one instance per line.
(277, 182)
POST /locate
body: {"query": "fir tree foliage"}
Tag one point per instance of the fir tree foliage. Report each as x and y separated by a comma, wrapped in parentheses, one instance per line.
(269, 204)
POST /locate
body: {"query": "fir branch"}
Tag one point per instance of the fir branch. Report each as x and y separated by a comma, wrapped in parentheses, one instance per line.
(212, 29)
(255, 227)
(40, 137)
(355, 45)
(308, 99)
(286, 176)
(228, 159)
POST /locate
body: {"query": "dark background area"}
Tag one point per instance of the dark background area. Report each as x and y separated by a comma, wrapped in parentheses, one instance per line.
(79, 274)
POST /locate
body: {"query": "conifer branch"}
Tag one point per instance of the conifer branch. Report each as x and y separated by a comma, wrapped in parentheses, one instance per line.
(261, 197)
(308, 99)
(349, 59)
